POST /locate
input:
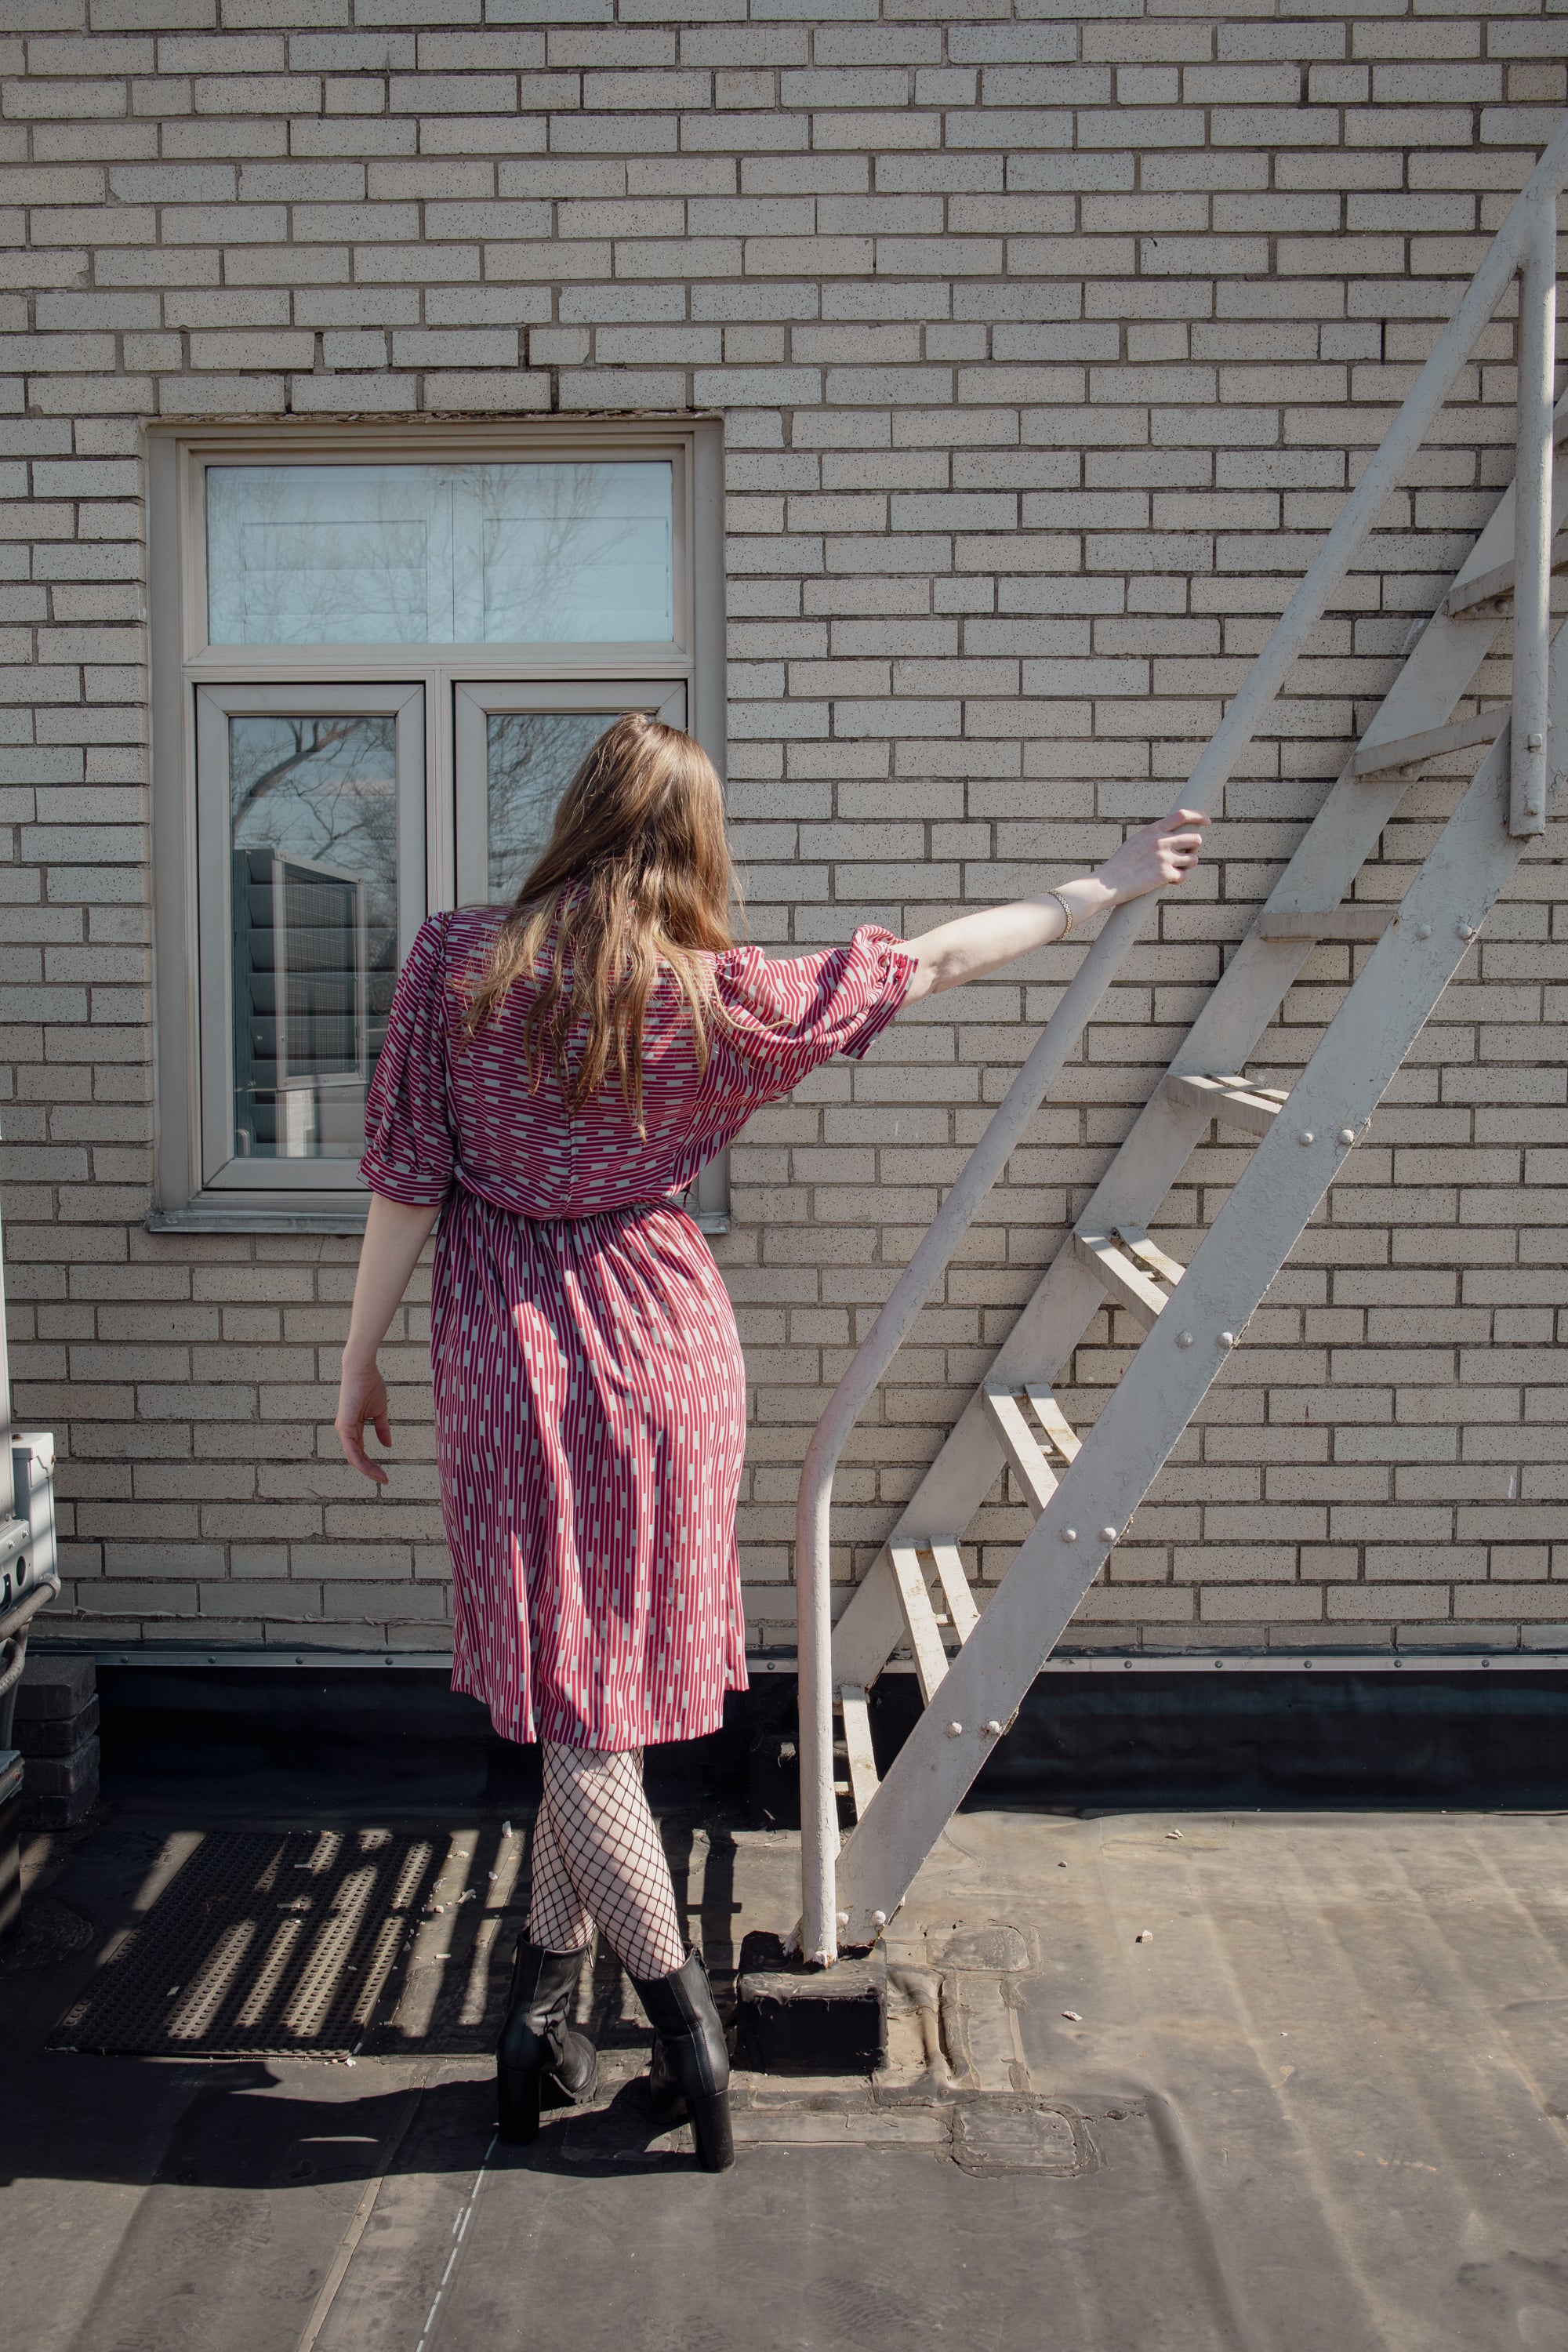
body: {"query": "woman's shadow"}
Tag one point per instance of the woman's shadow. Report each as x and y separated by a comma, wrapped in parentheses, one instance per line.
(255, 2124)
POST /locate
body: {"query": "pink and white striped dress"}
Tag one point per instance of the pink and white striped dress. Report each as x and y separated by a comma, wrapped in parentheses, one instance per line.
(590, 1388)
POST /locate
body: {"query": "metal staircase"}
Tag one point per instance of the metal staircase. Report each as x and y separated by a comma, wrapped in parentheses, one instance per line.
(1085, 1493)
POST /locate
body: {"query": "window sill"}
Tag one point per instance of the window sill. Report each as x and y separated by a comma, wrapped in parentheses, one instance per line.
(251, 1217)
(246, 1217)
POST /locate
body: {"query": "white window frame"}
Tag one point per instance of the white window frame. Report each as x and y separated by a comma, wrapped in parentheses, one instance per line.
(440, 693)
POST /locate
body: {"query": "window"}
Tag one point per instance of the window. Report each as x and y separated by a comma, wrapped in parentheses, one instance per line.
(311, 820)
(563, 553)
(375, 667)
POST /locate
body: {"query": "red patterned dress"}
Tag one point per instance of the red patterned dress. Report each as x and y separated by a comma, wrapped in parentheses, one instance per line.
(590, 1388)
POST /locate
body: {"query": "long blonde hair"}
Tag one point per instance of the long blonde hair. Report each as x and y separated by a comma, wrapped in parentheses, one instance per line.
(636, 876)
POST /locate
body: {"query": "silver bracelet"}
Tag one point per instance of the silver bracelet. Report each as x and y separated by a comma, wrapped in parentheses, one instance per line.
(1066, 910)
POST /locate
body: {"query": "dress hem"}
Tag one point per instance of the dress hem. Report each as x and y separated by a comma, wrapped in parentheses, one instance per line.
(468, 1686)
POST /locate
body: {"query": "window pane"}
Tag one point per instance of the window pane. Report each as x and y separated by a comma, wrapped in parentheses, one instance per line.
(402, 555)
(531, 757)
(313, 867)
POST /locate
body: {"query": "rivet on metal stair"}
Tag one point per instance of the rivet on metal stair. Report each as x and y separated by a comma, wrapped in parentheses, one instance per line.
(1070, 1534)
(1227, 1339)
(955, 1730)
(1183, 1338)
(1108, 1535)
(1347, 1135)
(1423, 930)
(1306, 1136)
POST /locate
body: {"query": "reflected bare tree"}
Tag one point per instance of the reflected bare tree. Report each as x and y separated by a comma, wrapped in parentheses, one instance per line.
(324, 789)
(322, 555)
(438, 554)
(570, 541)
(307, 738)
(314, 963)
(532, 757)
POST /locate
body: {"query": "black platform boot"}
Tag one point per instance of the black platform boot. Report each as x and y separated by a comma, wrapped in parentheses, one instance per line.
(690, 2076)
(537, 2046)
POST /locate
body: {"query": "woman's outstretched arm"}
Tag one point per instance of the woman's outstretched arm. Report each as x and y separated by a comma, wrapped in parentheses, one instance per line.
(1154, 859)
(394, 1237)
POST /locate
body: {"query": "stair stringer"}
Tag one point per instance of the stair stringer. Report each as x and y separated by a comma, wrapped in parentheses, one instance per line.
(1342, 835)
(1157, 1396)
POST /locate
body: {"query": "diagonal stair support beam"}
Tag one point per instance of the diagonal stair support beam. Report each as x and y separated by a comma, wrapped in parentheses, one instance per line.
(1145, 1415)
(1341, 838)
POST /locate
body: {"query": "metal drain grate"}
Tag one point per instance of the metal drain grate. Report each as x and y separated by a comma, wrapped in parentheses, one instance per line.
(310, 1941)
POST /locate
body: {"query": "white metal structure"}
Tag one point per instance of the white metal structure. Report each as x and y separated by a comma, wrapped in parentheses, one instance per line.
(1085, 1493)
(28, 1576)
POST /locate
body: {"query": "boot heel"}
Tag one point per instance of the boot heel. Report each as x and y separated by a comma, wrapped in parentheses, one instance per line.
(712, 2130)
(518, 2095)
(690, 2070)
(536, 2043)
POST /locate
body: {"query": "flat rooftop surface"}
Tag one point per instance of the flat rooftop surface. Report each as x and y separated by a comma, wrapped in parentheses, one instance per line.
(1186, 2081)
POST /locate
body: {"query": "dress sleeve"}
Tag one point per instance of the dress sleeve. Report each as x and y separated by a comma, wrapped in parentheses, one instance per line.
(410, 1152)
(783, 1020)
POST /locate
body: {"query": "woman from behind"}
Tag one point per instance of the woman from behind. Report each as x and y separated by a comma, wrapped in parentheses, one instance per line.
(554, 1074)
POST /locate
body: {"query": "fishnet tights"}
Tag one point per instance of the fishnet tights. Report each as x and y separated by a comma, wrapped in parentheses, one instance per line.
(598, 1859)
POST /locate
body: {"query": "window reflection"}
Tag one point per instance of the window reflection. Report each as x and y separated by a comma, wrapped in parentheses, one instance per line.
(459, 555)
(313, 865)
(531, 757)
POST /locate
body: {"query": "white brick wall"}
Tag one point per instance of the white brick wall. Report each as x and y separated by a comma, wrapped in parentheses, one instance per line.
(1048, 338)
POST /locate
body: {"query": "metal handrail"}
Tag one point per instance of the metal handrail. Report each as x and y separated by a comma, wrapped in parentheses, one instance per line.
(1519, 242)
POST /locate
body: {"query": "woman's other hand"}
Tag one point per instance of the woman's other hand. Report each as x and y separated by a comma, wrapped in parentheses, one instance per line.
(394, 1233)
(361, 1400)
(1156, 857)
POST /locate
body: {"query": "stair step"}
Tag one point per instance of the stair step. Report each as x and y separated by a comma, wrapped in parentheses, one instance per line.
(1128, 1283)
(863, 1775)
(1022, 1447)
(919, 1618)
(1489, 593)
(1234, 1100)
(1331, 923)
(1149, 1253)
(1052, 1418)
(962, 1614)
(1410, 751)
